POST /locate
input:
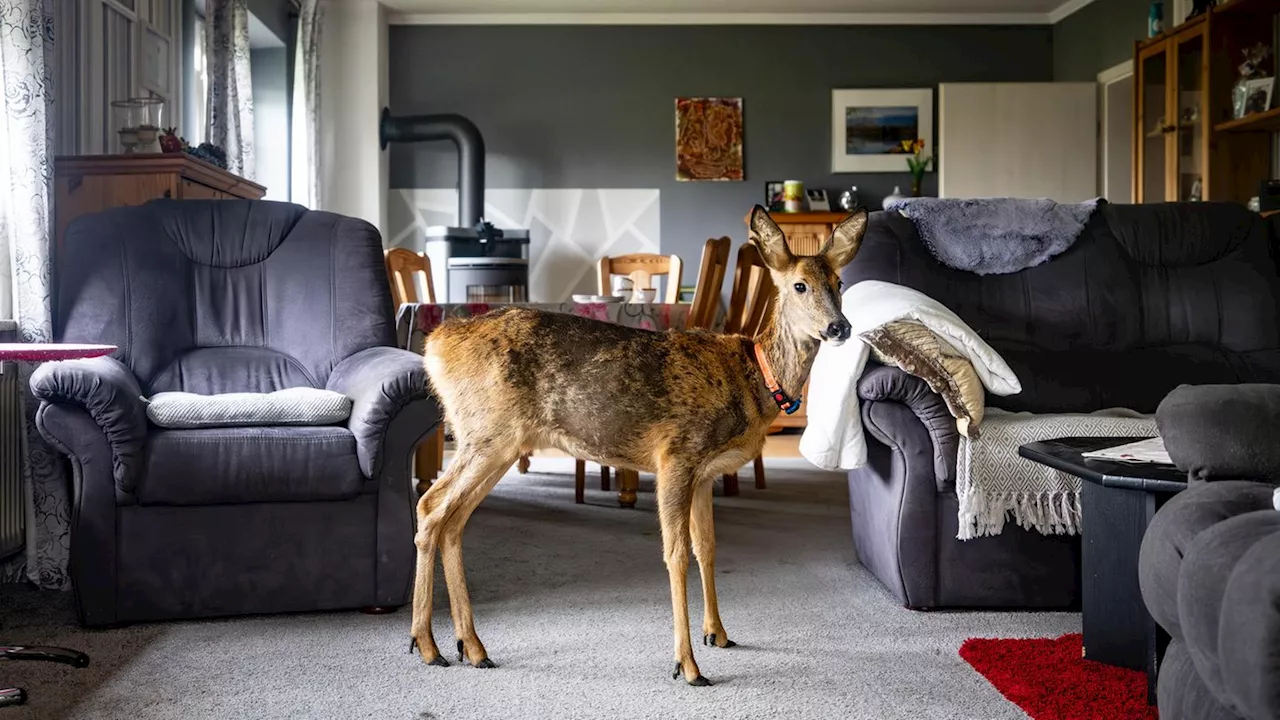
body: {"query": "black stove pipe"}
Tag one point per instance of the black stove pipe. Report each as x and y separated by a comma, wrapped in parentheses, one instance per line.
(464, 134)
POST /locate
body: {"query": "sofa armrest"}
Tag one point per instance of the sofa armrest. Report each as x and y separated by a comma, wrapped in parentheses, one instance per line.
(1218, 432)
(380, 381)
(881, 383)
(106, 389)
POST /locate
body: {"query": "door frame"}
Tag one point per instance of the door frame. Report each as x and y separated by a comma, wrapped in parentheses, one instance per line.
(1107, 77)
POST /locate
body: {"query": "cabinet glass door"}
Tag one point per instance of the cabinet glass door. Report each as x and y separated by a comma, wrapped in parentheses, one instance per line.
(1192, 147)
(1153, 124)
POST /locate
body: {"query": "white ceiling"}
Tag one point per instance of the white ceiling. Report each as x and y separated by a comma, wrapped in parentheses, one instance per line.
(733, 11)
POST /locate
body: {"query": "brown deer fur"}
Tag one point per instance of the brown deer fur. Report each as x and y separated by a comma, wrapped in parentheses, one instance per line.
(686, 405)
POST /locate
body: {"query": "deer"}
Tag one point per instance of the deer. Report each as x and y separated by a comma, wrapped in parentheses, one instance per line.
(686, 405)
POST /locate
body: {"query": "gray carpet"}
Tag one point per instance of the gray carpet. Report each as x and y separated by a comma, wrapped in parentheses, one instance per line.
(572, 603)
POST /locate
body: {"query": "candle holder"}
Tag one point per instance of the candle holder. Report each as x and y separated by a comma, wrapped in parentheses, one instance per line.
(150, 117)
(125, 115)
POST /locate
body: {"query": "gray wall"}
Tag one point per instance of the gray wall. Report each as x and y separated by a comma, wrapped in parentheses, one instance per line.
(593, 106)
(1100, 35)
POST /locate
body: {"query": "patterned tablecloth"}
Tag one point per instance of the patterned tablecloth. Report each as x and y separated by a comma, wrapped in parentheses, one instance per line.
(416, 320)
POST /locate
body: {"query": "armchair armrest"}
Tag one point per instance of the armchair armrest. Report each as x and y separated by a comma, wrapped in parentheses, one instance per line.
(881, 383)
(106, 389)
(1220, 432)
(380, 381)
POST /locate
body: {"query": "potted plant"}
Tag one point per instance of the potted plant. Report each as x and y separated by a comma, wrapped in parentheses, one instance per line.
(918, 162)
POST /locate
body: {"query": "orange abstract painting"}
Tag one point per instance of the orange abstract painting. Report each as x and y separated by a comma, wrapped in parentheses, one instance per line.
(709, 139)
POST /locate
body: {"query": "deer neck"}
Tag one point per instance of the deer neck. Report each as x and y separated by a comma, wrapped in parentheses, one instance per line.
(790, 353)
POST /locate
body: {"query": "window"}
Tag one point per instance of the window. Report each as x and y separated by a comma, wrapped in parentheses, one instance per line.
(199, 124)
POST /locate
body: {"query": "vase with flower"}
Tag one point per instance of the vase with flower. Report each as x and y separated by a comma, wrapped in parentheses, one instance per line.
(918, 163)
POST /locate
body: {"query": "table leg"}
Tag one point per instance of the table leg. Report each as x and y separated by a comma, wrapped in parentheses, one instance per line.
(1116, 626)
(628, 483)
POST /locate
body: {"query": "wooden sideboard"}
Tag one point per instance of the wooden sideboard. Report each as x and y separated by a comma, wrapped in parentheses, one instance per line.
(86, 184)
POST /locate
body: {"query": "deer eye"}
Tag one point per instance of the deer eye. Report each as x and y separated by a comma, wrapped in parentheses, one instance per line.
(800, 287)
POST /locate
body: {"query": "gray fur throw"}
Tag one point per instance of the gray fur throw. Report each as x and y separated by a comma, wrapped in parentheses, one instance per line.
(994, 236)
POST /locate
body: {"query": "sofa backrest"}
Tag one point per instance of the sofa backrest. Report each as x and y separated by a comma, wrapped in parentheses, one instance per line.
(213, 296)
(1148, 297)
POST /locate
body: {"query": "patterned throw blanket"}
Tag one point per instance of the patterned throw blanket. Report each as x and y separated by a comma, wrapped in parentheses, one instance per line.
(995, 484)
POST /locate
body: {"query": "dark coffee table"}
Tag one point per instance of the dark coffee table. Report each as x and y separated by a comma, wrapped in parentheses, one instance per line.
(1117, 502)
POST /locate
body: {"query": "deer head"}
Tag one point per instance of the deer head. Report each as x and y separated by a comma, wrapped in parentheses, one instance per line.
(808, 287)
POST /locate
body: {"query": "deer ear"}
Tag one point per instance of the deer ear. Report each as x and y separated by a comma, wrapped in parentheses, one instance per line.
(769, 238)
(845, 239)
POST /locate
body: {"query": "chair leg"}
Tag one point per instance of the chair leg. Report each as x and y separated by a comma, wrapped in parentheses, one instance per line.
(628, 483)
(523, 464)
(759, 468)
(604, 478)
(426, 464)
(439, 451)
(731, 484)
(579, 480)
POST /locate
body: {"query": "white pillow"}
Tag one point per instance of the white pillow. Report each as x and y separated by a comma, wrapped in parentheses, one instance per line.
(294, 406)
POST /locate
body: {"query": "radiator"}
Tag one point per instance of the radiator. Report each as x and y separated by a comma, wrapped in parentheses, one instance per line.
(12, 512)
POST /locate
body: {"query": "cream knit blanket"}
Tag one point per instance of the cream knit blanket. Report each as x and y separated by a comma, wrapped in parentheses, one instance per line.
(995, 484)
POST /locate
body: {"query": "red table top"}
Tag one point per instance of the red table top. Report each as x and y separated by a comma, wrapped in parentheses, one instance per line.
(45, 352)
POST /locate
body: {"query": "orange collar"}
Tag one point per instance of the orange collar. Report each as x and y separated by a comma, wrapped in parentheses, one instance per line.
(780, 396)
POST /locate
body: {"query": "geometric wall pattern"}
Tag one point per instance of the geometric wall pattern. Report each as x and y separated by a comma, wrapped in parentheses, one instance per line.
(569, 229)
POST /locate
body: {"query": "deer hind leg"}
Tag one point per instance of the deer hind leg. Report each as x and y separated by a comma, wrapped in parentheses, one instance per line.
(675, 486)
(490, 470)
(703, 529)
(433, 509)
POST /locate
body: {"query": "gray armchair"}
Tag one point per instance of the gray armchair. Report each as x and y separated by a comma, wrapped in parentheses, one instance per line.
(232, 296)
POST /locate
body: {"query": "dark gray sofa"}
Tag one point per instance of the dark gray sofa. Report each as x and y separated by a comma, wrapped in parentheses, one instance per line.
(1148, 297)
(232, 296)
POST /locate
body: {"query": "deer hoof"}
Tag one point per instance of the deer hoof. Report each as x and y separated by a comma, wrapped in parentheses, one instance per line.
(710, 641)
(486, 663)
(700, 682)
(439, 661)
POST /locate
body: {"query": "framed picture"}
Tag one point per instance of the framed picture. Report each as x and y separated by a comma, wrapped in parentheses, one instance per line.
(709, 139)
(1257, 95)
(773, 201)
(818, 200)
(869, 127)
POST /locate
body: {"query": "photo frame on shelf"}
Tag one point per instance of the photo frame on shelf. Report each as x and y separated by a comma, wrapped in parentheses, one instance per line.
(773, 201)
(1257, 95)
(818, 201)
(868, 128)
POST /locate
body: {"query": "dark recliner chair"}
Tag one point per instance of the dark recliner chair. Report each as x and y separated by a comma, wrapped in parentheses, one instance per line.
(1148, 297)
(227, 296)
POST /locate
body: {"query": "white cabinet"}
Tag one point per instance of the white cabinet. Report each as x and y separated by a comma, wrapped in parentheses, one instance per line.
(1030, 140)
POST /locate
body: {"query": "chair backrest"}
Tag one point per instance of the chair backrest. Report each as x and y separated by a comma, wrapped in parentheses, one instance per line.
(706, 295)
(219, 296)
(753, 296)
(402, 265)
(641, 267)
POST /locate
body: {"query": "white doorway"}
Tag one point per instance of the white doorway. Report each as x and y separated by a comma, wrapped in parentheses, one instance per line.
(1115, 133)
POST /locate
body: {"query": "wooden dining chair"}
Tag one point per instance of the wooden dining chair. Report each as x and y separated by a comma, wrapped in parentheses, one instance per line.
(706, 294)
(641, 268)
(750, 304)
(403, 266)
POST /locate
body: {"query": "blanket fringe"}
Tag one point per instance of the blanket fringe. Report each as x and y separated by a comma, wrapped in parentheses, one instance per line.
(1055, 513)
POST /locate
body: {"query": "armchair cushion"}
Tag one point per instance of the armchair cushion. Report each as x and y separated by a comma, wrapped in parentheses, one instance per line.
(380, 381)
(106, 389)
(292, 406)
(212, 466)
(1222, 431)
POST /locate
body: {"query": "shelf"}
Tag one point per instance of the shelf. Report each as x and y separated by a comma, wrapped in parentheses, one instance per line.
(1263, 122)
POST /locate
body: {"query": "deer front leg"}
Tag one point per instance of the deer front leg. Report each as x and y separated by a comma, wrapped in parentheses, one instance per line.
(704, 546)
(674, 490)
(426, 541)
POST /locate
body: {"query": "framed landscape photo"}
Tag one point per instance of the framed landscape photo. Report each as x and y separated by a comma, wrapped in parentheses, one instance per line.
(869, 127)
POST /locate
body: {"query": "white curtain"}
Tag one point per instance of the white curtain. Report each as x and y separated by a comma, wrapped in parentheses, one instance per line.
(304, 171)
(230, 82)
(26, 210)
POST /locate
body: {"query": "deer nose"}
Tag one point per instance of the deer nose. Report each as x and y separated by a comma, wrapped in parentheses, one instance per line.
(839, 330)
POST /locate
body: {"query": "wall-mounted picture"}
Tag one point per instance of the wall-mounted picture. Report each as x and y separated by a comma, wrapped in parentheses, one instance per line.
(872, 129)
(709, 139)
(773, 200)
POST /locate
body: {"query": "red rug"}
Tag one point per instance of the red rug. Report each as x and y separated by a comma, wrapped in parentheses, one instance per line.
(1051, 681)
